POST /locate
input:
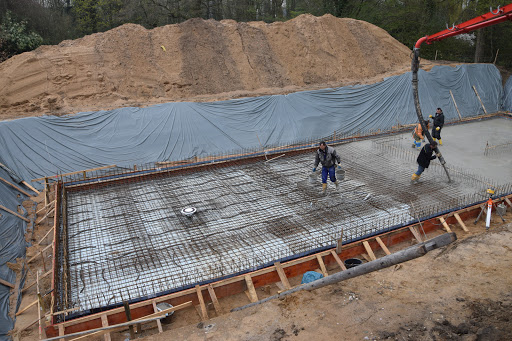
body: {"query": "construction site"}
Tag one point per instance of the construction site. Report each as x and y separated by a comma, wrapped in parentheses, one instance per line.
(195, 214)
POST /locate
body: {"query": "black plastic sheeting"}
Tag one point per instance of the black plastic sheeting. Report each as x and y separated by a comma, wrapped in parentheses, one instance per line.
(44, 146)
(507, 95)
(12, 246)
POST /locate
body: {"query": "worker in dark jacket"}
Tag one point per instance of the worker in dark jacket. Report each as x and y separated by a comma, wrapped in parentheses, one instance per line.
(328, 157)
(438, 125)
(424, 160)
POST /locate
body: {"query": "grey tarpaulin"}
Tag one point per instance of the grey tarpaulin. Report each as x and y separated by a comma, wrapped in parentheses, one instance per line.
(507, 95)
(41, 146)
(12, 246)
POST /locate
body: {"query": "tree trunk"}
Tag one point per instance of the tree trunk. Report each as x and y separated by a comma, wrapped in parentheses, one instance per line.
(479, 48)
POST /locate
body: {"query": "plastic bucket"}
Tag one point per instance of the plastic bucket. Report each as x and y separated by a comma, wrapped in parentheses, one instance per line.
(163, 306)
(340, 174)
(501, 209)
(351, 262)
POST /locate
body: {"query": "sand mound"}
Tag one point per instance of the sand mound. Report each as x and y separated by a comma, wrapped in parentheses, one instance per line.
(196, 60)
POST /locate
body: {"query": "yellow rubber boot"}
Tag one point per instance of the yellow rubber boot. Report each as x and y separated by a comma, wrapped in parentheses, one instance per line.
(435, 140)
(337, 184)
(324, 188)
(415, 178)
(440, 142)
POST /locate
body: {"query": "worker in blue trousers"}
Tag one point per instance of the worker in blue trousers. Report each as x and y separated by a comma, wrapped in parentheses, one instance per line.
(423, 160)
(327, 157)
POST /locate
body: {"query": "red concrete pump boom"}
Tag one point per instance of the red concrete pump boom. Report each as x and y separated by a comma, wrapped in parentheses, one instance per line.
(497, 16)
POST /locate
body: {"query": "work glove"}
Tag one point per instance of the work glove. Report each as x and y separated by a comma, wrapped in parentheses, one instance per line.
(314, 169)
(339, 166)
(430, 116)
(437, 128)
(433, 157)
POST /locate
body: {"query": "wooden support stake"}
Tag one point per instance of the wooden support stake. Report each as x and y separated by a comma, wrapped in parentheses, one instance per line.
(441, 219)
(508, 202)
(204, 313)
(31, 188)
(369, 250)
(61, 331)
(215, 301)
(382, 245)
(42, 258)
(253, 296)
(46, 192)
(158, 322)
(46, 235)
(39, 254)
(481, 103)
(322, 265)
(415, 233)
(129, 318)
(339, 243)
(45, 207)
(7, 284)
(46, 215)
(104, 323)
(16, 187)
(461, 223)
(14, 213)
(496, 57)
(282, 275)
(27, 307)
(338, 260)
(456, 107)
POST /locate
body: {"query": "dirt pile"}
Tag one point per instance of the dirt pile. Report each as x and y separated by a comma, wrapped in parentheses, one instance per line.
(196, 60)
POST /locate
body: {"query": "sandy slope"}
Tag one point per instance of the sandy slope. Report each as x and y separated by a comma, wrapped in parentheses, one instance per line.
(196, 60)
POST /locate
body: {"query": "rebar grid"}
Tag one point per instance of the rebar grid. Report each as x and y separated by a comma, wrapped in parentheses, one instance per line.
(129, 240)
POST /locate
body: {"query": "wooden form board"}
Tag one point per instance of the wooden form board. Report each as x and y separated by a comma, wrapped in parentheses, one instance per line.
(77, 172)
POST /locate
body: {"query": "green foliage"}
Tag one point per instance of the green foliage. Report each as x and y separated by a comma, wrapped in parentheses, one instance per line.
(94, 16)
(15, 38)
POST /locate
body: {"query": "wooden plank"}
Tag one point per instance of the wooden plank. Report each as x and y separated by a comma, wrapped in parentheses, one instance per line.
(204, 313)
(441, 219)
(46, 235)
(77, 172)
(45, 207)
(46, 215)
(40, 253)
(461, 223)
(34, 283)
(456, 107)
(104, 323)
(7, 284)
(477, 95)
(382, 245)
(27, 307)
(508, 202)
(61, 331)
(101, 331)
(338, 260)
(16, 187)
(253, 296)
(31, 188)
(322, 265)
(158, 322)
(14, 213)
(369, 250)
(282, 275)
(215, 301)
(416, 234)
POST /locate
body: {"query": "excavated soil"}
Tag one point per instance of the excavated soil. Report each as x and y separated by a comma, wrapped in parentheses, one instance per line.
(198, 60)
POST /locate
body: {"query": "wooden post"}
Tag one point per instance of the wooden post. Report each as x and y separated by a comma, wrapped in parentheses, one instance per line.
(46, 191)
(42, 257)
(382, 245)
(456, 107)
(251, 292)
(215, 301)
(322, 265)
(338, 260)
(339, 243)
(441, 219)
(282, 275)
(129, 318)
(61, 331)
(14, 213)
(461, 223)
(158, 322)
(369, 250)
(481, 103)
(202, 306)
(104, 323)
